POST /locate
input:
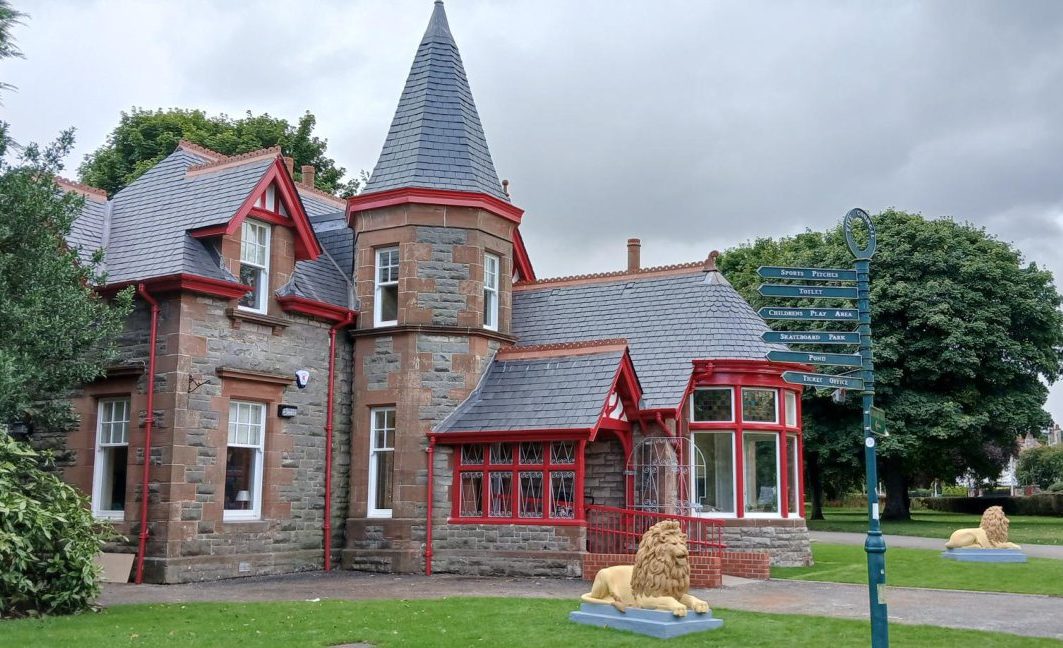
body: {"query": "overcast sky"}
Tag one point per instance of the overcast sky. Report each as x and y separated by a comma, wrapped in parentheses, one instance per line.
(692, 125)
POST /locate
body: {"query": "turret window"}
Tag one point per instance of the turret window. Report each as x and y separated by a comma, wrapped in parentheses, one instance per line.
(491, 292)
(386, 301)
(254, 265)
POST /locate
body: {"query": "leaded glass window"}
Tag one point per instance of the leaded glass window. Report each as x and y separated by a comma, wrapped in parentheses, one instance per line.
(758, 405)
(713, 404)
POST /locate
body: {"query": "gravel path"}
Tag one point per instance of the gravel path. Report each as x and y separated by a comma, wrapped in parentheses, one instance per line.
(1037, 616)
(913, 542)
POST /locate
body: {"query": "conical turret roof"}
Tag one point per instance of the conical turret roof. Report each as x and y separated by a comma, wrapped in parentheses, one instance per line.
(436, 140)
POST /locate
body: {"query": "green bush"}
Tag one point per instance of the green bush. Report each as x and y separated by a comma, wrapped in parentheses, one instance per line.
(1043, 504)
(1056, 487)
(1042, 466)
(48, 537)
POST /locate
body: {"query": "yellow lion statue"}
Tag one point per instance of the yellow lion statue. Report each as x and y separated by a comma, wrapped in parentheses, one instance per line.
(658, 580)
(992, 533)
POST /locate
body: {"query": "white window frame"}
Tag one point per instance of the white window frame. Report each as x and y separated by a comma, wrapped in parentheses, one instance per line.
(778, 475)
(100, 466)
(374, 457)
(246, 245)
(790, 405)
(794, 478)
(729, 389)
(734, 472)
(491, 290)
(255, 512)
(378, 285)
(775, 410)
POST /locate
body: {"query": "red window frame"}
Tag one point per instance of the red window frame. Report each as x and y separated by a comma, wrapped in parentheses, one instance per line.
(513, 468)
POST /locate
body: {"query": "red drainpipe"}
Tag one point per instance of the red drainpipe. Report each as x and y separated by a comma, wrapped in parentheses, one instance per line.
(149, 422)
(428, 520)
(326, 526)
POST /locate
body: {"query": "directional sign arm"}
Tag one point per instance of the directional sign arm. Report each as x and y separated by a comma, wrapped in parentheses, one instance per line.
(807, 274)
(835, 359)
(807, 291)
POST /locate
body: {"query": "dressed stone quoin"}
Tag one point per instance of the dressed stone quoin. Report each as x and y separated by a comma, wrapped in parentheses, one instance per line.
(383, 383)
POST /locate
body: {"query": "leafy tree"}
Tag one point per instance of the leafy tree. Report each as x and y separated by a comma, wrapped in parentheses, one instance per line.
(143, 137)
(1042, 466)
(964, 332)
(9, 17)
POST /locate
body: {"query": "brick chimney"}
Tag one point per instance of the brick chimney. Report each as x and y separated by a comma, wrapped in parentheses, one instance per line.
(634, 254)
(290, 163)
(308, 175)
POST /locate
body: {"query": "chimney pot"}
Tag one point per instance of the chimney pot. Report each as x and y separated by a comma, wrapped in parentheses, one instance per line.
(308, 175)
(505, 187)
(290, 163)
(634, 255)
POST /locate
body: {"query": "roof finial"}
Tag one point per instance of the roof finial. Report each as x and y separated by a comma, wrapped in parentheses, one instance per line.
(505, 183)
(710, 263)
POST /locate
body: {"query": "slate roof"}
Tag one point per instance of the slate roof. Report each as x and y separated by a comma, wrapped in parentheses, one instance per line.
(436, 139)
(668, 320)
(86, 232)
(150, 219)
(540, 393)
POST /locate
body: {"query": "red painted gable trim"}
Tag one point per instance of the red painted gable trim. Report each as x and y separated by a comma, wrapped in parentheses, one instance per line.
(306, 246)
(296, 304)
(521, 260)
(626, 384)
(422, 196)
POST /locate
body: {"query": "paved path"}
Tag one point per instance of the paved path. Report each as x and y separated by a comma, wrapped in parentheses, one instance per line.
(1038, 616)
(913, 542)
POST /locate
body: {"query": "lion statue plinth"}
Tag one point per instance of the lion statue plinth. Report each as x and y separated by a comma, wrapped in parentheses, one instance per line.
(659, 579)
(992, 533)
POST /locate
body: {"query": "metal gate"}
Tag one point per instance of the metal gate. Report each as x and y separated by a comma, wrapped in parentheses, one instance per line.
(668, 473)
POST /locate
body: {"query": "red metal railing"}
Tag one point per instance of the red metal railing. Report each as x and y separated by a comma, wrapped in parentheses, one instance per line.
(618, 531)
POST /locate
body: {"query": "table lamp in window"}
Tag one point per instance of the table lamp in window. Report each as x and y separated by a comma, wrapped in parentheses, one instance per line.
(243, 498)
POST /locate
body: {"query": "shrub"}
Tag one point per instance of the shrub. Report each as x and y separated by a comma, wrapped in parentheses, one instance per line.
(1043, 504)
(1056, 487)
(48, 537)
(1042, 466)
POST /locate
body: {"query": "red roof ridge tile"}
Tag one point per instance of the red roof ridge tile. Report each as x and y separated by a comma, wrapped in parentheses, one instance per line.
(92, 193)
(588, 346)
(321, 194)
(616, 274)
(197, 149)
(236, 160)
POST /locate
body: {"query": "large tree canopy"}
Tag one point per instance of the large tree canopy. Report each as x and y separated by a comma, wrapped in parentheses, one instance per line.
(57, 332)
(965, 334)
(143, 137)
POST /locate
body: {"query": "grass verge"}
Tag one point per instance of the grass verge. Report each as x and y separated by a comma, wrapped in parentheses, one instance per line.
(1033, 529)
(442, 622)
(926, 568)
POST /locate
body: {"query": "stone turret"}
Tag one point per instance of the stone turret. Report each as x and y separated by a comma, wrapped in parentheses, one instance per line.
(434, 265)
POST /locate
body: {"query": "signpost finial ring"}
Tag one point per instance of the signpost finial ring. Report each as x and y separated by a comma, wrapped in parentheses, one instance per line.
(868, 250)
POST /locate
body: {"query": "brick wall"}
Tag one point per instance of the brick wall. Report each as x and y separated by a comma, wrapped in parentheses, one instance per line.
(705, 571)
(747, 564)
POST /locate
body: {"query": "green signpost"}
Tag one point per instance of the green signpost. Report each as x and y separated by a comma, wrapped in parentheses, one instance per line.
(811, 337)
(863, 379)
(786, 313)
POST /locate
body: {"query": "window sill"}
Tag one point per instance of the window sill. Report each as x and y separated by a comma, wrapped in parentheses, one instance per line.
(239, 315)
(103, 516)
(379, 515)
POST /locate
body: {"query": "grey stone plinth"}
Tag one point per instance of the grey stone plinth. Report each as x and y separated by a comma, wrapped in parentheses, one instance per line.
(985, 555)
(655, 623)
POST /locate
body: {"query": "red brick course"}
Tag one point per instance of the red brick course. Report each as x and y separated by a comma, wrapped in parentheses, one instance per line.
(705, 571)
(747, 564)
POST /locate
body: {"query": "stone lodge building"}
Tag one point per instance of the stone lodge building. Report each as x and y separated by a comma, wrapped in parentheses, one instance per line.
(383, 383)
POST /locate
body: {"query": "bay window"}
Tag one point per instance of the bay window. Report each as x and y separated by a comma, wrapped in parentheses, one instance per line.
(254, 265)
(112, 458)
(386, 287)
(517, 481)
(243, 461)
(714, 404)
(758, 405)
(714, 481)
(381, 460)
(793, 478)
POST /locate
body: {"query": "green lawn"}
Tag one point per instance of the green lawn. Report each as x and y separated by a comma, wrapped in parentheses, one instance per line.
(1031, 529)
(445, 622)
(926, 568)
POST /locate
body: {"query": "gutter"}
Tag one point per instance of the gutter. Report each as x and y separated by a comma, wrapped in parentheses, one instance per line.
(149, 423)
(326, 526)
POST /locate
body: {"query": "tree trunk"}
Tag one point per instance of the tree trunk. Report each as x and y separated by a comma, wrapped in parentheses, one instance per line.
(815, 480)
(897, 501)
